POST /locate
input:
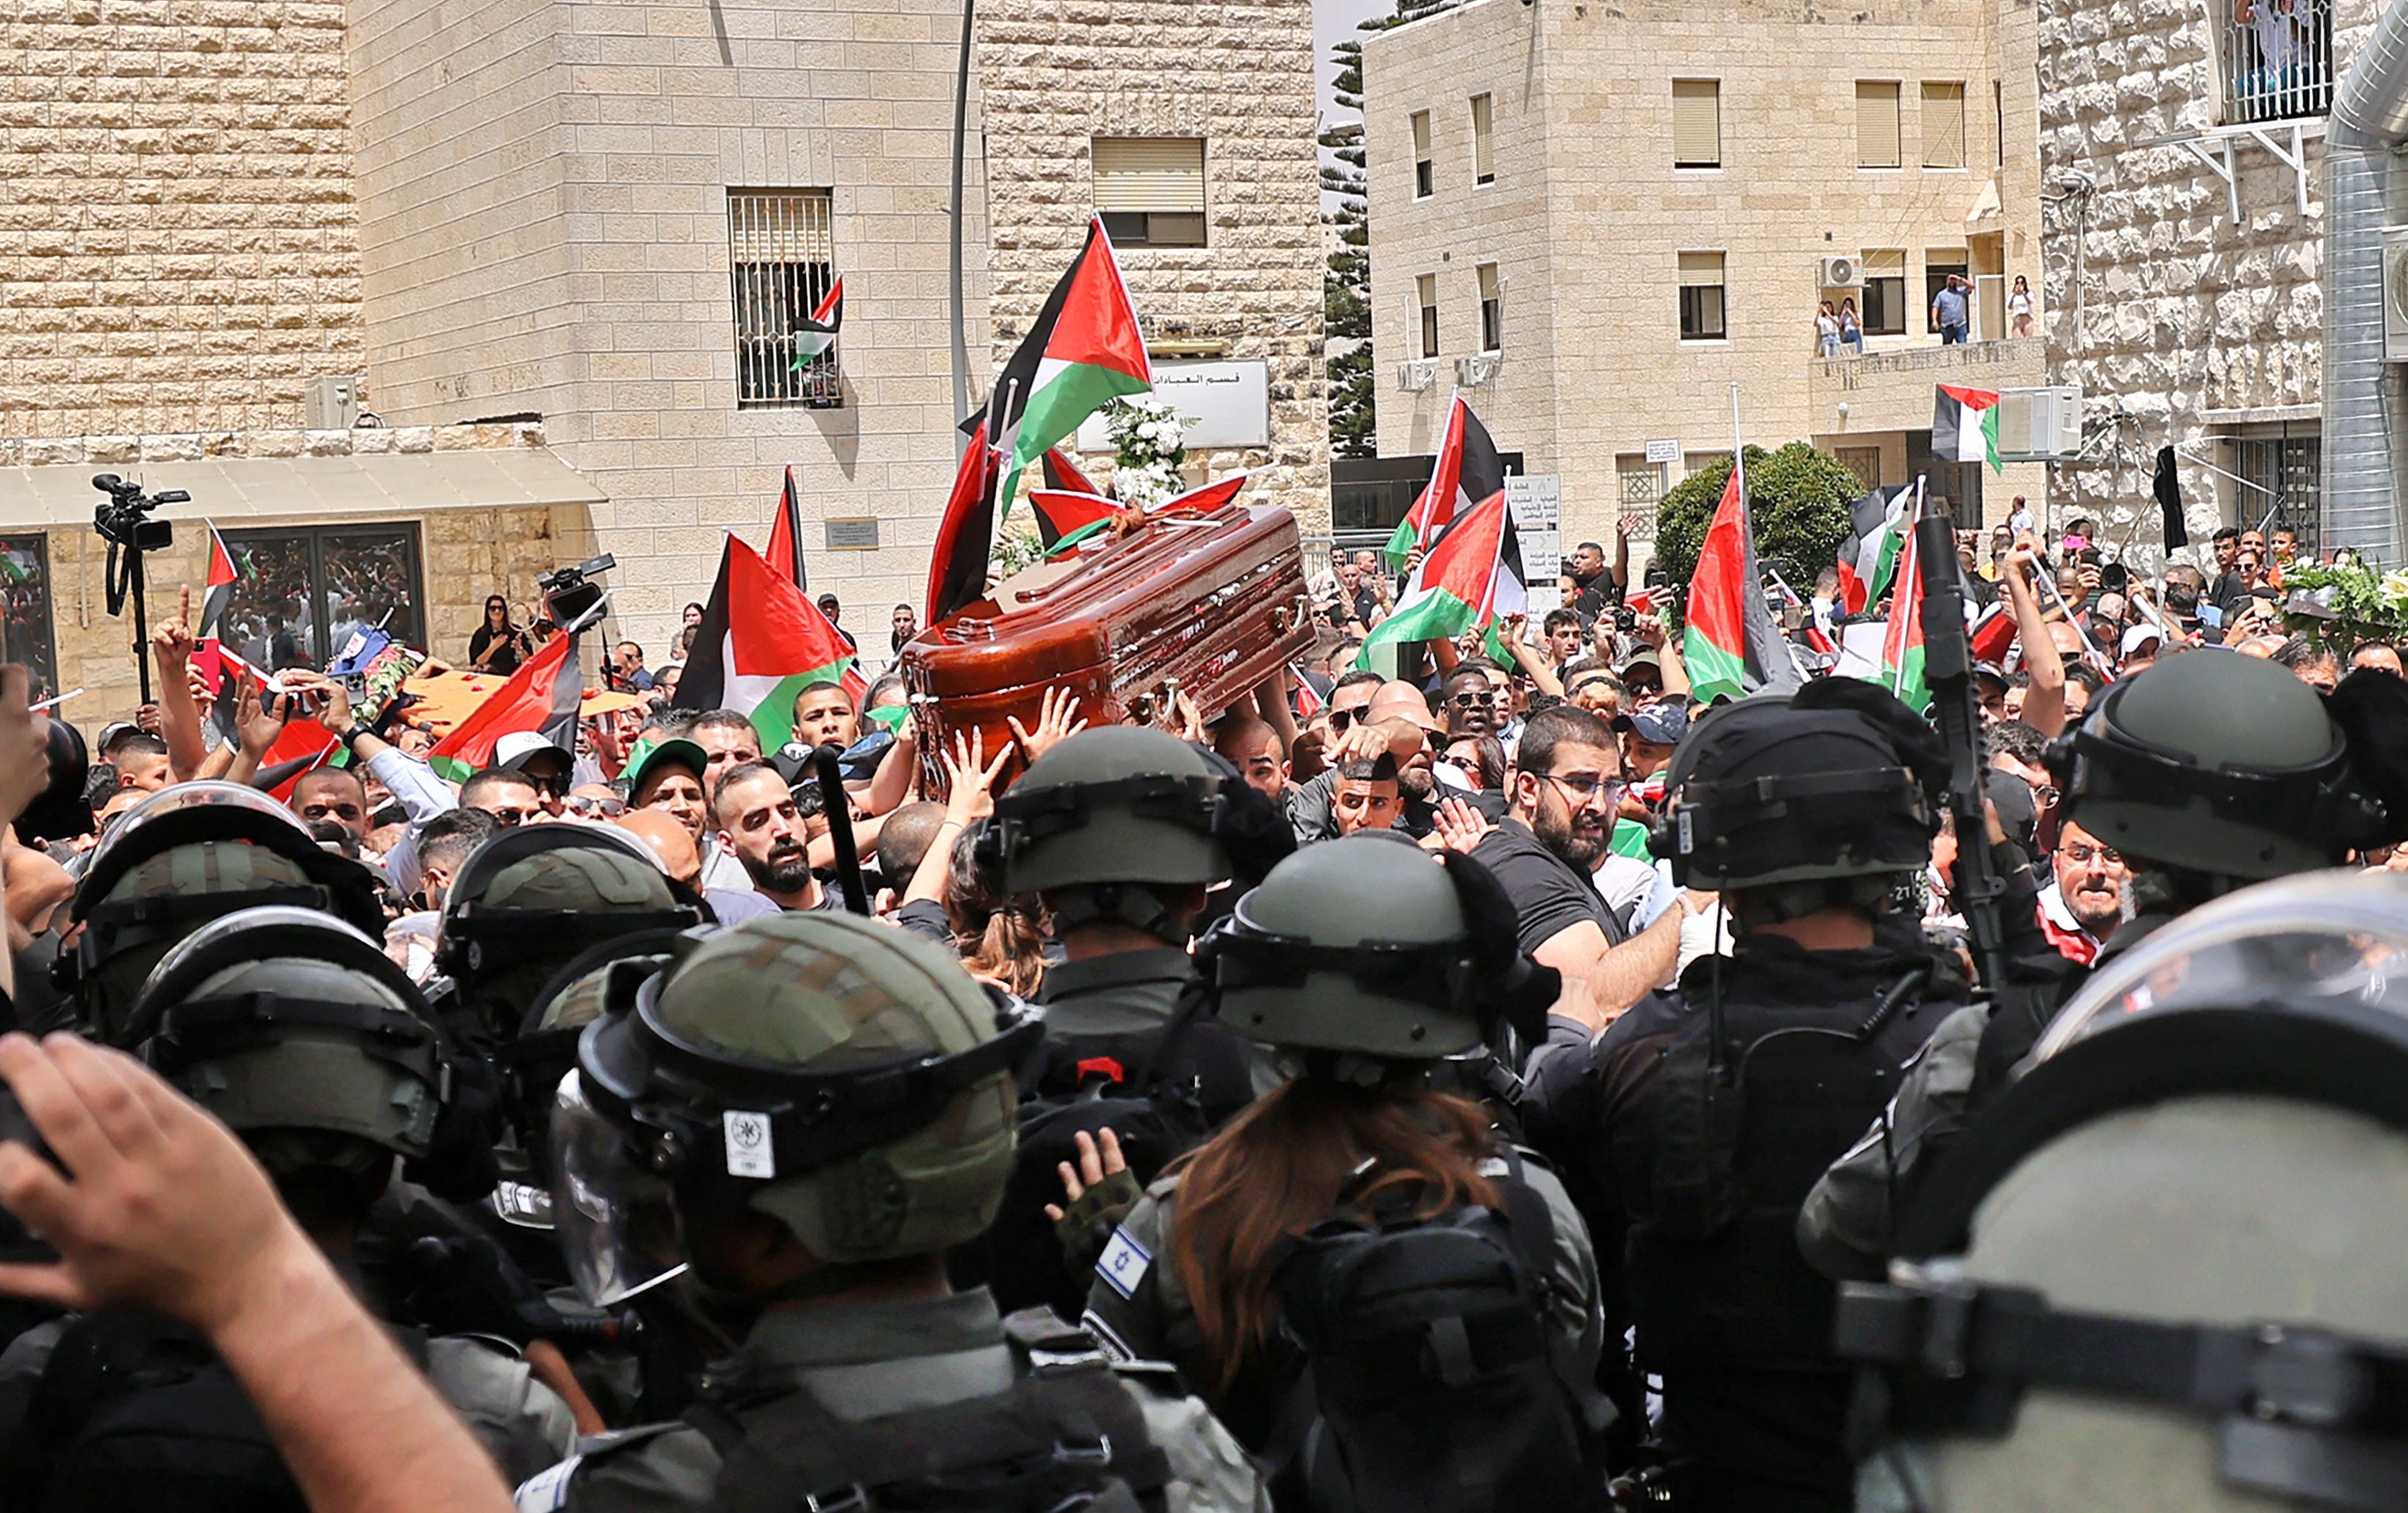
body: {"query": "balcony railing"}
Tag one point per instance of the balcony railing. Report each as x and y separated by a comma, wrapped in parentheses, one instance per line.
(2277, 60)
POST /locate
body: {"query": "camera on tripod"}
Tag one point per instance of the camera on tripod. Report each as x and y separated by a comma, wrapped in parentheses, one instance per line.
(568, 593)
(124, 520)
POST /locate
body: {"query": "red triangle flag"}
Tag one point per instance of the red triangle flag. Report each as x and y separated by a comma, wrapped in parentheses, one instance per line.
(532, 699)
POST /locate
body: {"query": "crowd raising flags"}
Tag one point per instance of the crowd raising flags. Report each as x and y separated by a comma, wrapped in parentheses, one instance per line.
(762, 642)
(1465, 471)
(1730, 645)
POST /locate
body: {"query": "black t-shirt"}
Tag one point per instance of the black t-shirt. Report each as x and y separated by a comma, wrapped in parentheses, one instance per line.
(1549, 894)
(506, 661)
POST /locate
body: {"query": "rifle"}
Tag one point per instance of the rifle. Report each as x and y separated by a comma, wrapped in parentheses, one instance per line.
(1975, 887)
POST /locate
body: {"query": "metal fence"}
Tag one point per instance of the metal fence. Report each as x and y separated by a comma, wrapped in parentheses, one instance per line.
(2277, 60)
(782, 257)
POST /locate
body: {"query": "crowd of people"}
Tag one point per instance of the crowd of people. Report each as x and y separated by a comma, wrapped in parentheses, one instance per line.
(1516, 1083)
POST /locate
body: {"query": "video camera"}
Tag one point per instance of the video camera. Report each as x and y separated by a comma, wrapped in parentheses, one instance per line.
(570, 594)
(121, 521)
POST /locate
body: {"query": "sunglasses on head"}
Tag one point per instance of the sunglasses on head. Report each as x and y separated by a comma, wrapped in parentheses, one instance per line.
(591, 807)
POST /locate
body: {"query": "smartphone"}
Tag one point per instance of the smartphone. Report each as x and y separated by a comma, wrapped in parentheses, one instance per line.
(2210, 615)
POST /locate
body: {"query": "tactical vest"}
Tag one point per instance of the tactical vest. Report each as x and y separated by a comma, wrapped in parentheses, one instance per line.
(1746, 1123)
(1065, 1434)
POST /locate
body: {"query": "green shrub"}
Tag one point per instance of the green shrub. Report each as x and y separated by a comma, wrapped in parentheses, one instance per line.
(1798, 501)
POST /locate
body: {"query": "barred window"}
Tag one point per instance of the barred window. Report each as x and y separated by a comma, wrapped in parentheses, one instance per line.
(782, 255)
(2278, 60)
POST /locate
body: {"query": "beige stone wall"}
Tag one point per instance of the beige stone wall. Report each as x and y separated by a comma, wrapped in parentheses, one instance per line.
(1588, 215)
(2192, 326)
(544, 194)
(1055, 77)
(179, 247)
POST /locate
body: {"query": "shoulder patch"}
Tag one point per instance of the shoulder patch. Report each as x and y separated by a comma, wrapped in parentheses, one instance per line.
(1124, 1264)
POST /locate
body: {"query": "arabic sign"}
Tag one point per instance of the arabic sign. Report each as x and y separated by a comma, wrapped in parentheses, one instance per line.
(1229, 404)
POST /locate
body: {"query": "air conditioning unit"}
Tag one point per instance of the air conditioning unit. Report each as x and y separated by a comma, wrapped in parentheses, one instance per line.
(2040, 424)
(330, 404)
(2394, 294)
(1841, 272)
(1414, 376)
(1471, 372)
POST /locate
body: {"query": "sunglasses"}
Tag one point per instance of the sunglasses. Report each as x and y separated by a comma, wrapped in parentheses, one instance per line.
(591, 807)
(1341, 719)
(1471, 701)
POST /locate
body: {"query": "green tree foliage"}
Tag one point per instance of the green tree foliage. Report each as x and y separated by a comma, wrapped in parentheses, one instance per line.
(1798, 501)
(1346, 286)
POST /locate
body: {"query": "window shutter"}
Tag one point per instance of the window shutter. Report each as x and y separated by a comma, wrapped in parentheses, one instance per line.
(1701, 271)
(1696, 124)
(1876, 125)
(1944, 125)
(1421, 133)
(1150, 174)
(1890, 264)
(1483, 120)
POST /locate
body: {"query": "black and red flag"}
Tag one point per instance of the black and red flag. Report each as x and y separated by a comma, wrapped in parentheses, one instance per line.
(785, 551)
(966, 536)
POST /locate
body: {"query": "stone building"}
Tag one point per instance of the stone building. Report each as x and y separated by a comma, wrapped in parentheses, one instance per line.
(580, 232)
(2182, 153)
(609, 214)
(1592, 218)
(179, 259)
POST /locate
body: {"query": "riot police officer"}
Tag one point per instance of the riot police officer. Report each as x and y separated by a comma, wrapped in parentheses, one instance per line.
(296, 1032)
(531, 899)
(1120, 832)
(179, 858)
(1706, 1111)
(2181, 1299)
(2206, 774)
(1363, 963)
(802, 1115)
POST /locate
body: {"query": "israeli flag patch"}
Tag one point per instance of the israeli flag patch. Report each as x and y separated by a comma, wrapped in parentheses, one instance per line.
(546, 1491)
(1122, 1264)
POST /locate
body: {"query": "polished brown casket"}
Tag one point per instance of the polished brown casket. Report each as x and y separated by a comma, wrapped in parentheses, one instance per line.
(1209, 605)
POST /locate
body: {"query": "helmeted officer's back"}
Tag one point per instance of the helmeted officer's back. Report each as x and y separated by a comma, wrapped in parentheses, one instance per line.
(794, 1122)
(1709, 1110)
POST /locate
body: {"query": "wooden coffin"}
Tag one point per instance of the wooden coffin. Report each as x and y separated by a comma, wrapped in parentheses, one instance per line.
(1211, 605)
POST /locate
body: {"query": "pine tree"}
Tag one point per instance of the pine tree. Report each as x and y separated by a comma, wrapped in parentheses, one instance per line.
(1346, 286)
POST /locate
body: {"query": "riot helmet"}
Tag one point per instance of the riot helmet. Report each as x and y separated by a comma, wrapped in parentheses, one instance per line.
(2232, 1092)
(1370, 946)
(531, 898)
(544, 1050)
(2224, 766)
(844, 1079)
(299, 1034)
(1111, 807)
(184, 856)
(1840, 780)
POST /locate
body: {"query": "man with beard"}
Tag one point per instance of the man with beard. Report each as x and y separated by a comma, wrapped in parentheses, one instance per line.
(727, 741)
(2080, 910)
(1567, 784)
(1404, 744)
(760, 823)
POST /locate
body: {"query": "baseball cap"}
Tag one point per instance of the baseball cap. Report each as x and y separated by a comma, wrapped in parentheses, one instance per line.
(512, 750)
(2140, 636)
(1990, 671)
(1658, 725)
(1643, 659)
(676, 751)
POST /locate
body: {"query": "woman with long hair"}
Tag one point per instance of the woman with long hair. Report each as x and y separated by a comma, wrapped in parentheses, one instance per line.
(2019, 308)
(498, 644)
(1361, 1132)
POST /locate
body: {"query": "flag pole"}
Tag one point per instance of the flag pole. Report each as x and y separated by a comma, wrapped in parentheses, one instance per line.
(1897, 676)
(1738, 453)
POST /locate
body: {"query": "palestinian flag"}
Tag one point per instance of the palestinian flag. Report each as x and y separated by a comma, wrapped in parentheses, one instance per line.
(1902, 643)
(965, 535)
(543, 696)
(1196, 501)
(770, 641)
(1303, 697)
(1730, 645)
(1868, 557)
(1965, 424)
(785, 552)
(219, 597)
(1465, 471)
(1084, 351)
(1063, 475)
(1065, 517)
(1470, 576)
(815, 334)
(1993, 635)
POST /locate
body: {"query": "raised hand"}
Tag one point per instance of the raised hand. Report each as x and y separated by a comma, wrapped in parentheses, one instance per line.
(172, 642)
(257, 721)
(1057, 721)
(970, 778)
(1456, 826)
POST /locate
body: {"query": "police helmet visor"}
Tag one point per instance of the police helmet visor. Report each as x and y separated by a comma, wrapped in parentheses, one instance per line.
(615, 1222)
(240, 813)
(2329, 939)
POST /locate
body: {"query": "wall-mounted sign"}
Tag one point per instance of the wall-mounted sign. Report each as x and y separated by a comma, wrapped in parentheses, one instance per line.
(1229, 403)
